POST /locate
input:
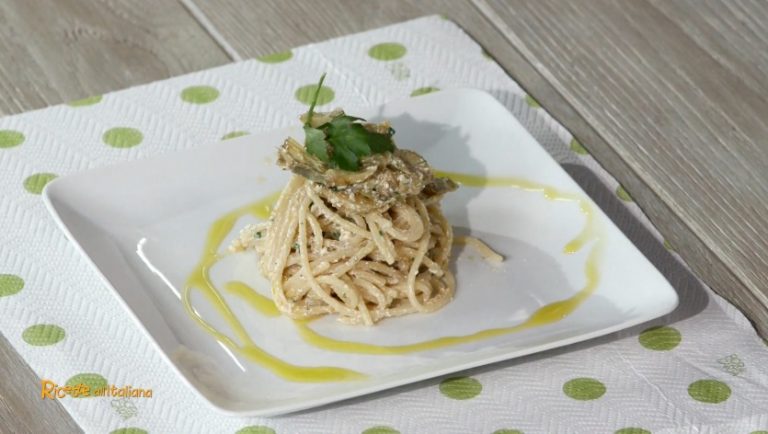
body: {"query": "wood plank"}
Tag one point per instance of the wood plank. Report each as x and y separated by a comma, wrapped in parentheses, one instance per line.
(21, 409)
(721, 28)
(678, 109)
(277, 26)
(60, 50)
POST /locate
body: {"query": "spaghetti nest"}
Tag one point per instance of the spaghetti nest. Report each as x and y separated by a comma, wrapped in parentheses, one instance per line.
(364, 245)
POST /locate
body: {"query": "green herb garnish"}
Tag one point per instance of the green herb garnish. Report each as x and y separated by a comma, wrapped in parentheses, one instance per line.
(343, 141)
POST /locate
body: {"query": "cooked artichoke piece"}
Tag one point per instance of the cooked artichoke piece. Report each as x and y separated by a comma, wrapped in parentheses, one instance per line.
(381, 181)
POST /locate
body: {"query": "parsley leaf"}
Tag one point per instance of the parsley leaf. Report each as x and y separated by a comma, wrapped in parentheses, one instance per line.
(344, 140)
(316, 144)
(343, 120)
(352, 136)
(345, 159)
(381, 143)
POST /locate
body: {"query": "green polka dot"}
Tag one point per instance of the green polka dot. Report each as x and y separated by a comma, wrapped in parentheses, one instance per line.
(256, 429)
(577, 147)
(381, 430)
(387, 51)
(276, 57)
(131, 430)
(10, 284)
(460, 387)
(122, 137)
(41, 335)
(709, 391)
(507, 431)
(234, 134)
(91, 100)
(35, 183)
(305, 94)
(632, 430)
(10, 138)
(759, 432)
(424, 90)
(531, 102)
(93, 381)
(623, 195)
(661, 338)
(584, 389)
(199, 94)
(486, 55)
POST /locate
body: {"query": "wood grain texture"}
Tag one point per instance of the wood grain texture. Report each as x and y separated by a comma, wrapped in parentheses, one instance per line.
(59, 50)
(735, 33)
(21, 409)
(277, 26)
(681, 109)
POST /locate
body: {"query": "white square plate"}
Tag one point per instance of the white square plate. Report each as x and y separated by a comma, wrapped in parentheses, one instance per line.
(143, 225)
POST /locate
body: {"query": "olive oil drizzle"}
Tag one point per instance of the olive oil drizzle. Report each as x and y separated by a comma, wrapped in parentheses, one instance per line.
(199, 279)
(547, 314)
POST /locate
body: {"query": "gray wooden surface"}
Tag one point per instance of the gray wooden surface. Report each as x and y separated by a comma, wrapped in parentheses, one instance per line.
(54, 51)
(681, 110)
(670, 96)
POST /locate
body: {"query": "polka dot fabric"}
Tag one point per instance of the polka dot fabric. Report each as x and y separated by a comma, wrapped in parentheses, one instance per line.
(700, 369)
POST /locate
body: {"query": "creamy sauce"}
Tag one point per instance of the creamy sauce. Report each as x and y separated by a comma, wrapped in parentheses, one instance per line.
(547, 314)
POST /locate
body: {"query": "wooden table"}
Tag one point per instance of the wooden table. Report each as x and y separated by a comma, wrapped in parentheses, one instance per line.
(671, 97)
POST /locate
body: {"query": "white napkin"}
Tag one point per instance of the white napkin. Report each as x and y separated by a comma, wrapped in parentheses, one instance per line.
(650, 381)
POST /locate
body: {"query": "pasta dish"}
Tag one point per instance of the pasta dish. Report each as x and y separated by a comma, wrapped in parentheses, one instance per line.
(358, 230)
